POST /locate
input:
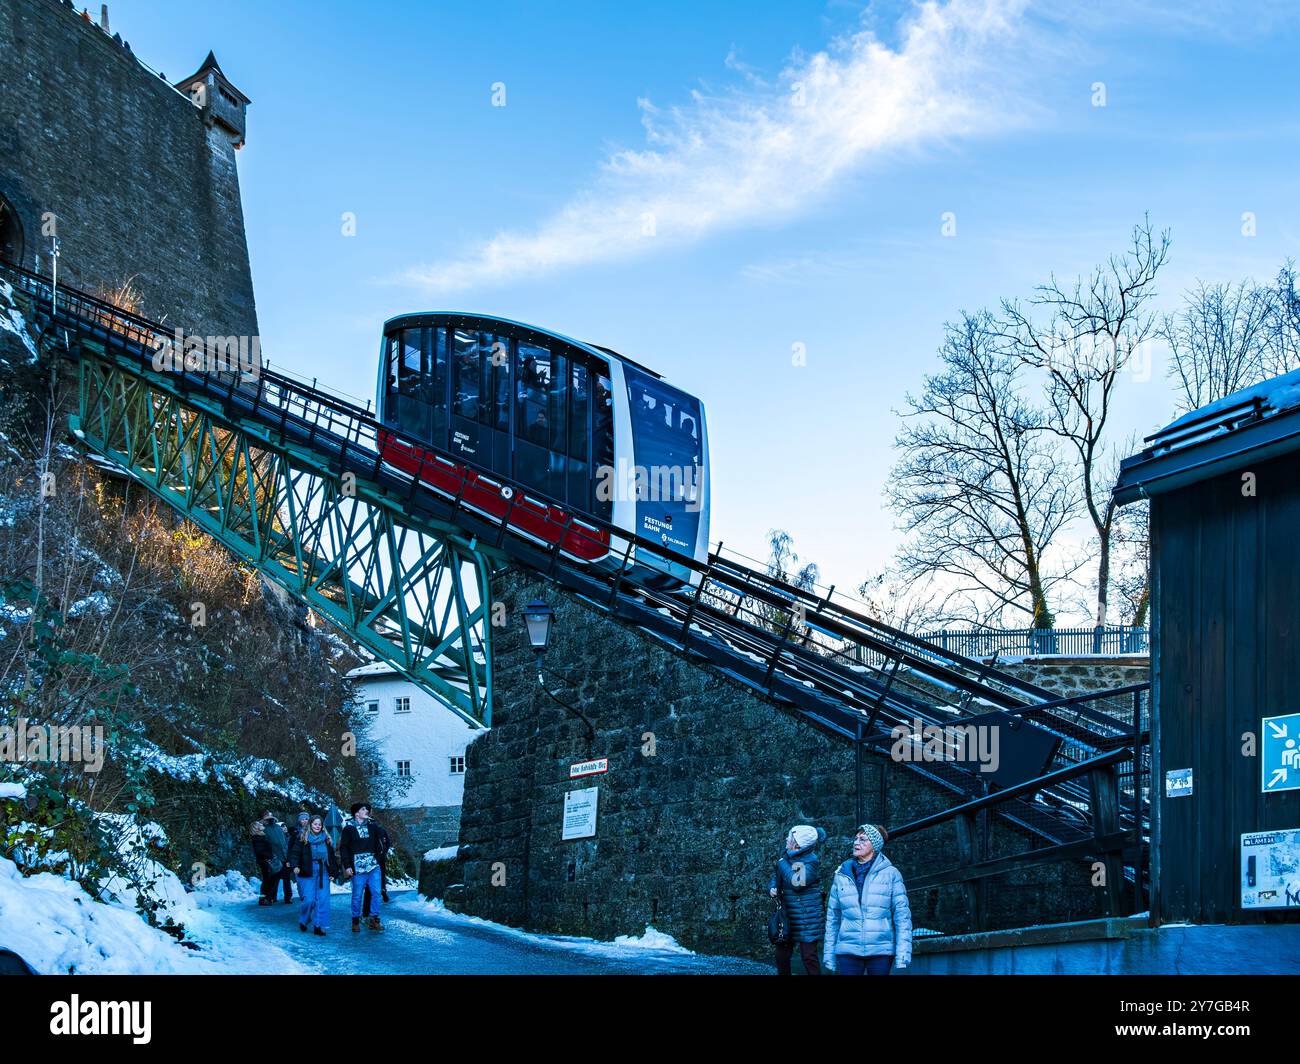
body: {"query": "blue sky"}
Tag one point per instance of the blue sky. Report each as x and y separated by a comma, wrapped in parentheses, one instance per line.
(795, 161)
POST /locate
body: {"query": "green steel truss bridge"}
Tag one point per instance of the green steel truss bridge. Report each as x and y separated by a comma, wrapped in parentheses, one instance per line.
(288, 477)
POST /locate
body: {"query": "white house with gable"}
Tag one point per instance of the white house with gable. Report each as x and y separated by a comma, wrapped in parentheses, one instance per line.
(422, 739)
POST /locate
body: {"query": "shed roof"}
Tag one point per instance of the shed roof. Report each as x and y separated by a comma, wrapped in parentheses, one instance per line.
(1255, 423)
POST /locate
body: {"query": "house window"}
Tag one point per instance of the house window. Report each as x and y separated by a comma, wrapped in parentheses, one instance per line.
(458, 766)
(402, 705)
(372, 705)
(404, 769)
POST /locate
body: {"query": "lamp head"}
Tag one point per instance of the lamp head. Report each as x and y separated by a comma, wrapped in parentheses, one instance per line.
(537, 620)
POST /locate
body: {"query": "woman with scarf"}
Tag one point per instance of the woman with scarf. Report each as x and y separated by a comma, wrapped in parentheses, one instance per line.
(868, 920)
(314, 863)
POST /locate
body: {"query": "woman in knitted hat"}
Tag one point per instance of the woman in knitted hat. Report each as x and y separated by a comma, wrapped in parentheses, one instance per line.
(797, 884)
(868, 920)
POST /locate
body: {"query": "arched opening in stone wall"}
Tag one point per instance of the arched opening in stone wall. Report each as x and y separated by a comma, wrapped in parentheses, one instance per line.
(11, 234)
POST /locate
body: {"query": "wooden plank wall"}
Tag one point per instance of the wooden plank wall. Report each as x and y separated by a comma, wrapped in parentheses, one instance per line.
(1226, 585)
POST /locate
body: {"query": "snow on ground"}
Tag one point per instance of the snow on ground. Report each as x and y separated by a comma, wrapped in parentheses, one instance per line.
(652, 941)
(12, 321)
(57, 928)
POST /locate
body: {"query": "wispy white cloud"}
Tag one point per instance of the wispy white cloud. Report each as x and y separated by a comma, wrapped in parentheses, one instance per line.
(761, 153)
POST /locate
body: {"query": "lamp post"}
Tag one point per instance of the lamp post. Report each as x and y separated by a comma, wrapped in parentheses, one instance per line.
(538, 620)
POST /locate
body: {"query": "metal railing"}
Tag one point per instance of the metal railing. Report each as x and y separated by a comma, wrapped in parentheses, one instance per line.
(1116, 845)
(1026, 642)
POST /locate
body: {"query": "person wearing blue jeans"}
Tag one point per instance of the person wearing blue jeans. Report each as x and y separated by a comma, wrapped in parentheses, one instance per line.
(314, 863)
(360, 851)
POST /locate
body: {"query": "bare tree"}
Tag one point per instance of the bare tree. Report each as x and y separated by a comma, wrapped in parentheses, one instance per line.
(1131, 550)
(1218, 340)
(1083, 337)
(1281, 350)
(783, 563)
(981, 485)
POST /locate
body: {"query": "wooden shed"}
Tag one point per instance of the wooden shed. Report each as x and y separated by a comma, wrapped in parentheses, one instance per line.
(1224, 489)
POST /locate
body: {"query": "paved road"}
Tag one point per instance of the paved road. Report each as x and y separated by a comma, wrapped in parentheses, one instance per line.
(421, 940)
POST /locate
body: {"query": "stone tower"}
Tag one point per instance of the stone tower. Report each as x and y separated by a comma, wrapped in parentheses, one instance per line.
(135, 175)
(223, 106)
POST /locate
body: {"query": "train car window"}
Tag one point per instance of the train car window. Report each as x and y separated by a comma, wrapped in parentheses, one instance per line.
(579, 413)
(532, 461)
(533, 395)
(603, 423)
(579, 487)
(666, 432)
(497, 356)
(390, 374)
(414, 411)
(602, 440)
(438, 387)
(410, 373)
(465, 374)
(558, 406)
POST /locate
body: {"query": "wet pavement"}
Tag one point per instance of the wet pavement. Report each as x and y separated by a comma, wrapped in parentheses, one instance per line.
(421, 939)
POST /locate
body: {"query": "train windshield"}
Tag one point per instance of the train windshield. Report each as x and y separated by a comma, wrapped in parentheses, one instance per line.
(668, 441)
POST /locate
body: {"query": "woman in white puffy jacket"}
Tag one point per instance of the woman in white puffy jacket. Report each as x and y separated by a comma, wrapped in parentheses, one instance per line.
(868, 921)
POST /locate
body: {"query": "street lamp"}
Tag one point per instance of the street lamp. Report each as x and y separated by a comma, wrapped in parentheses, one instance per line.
(537, 620)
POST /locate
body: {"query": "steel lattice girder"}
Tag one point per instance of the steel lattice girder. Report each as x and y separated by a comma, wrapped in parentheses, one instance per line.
(413, 595)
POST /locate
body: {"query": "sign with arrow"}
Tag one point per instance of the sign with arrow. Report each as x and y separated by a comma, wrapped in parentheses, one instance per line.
(1280, 754)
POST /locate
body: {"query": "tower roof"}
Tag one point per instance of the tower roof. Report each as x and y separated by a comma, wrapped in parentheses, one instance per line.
(211, 64)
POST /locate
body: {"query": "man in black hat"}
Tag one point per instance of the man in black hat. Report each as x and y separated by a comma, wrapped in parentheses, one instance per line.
(360, 852)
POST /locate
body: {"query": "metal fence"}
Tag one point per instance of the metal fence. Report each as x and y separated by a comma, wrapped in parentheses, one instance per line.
(985, 642)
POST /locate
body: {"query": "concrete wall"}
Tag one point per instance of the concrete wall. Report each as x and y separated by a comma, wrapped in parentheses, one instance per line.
(704, 781)
(1119, 947)
(429, 827)
(142, 190)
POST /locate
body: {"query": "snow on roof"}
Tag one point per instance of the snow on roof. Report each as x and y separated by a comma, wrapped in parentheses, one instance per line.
(1278, 393)
(1215, 438)
(375, 668)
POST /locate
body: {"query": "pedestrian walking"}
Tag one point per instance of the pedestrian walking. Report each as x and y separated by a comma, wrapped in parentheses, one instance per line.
(868, 920)
(314, 864)
(797, 886)
(359, 850)
(264, 857)
(275, 835)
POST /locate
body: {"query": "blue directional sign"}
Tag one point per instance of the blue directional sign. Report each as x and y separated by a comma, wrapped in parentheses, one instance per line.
(1280, 754)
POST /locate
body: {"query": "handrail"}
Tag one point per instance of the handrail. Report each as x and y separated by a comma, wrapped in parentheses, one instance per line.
(1020, 790)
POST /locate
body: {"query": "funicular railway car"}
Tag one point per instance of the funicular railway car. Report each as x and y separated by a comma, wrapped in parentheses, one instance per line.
(593, 438)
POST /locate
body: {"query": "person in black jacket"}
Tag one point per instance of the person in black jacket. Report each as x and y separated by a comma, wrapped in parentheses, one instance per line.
(360, 850)
(312, 858)
(278, 837)
(265, 857)
(796, 884)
